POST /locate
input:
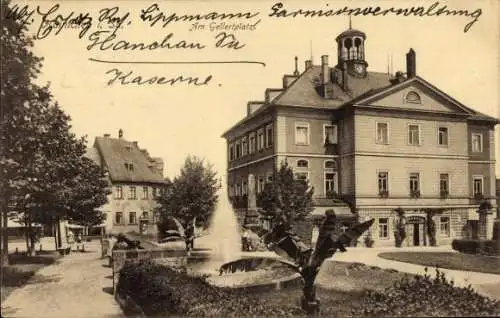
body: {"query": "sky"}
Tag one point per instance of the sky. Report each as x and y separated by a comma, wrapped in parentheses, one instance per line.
(175, 121)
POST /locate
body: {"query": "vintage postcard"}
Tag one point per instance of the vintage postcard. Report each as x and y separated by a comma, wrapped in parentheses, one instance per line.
(250, 158)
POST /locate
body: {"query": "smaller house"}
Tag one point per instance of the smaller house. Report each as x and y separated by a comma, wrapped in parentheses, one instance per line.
(136, 180)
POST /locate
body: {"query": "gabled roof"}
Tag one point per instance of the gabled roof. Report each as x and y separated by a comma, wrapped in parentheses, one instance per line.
(118, 152)
(374, 95)
(302, 93)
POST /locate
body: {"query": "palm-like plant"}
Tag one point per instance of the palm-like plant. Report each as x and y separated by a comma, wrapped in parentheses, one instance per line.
(308, 260)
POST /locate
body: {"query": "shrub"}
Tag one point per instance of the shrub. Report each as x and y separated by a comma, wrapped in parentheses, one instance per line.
(476, 246)
(425, 296)
(161, 291)
(368, 240)
(466, 246)
(496, 230)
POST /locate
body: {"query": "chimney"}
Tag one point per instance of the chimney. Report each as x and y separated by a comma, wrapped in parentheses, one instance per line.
(325, 71)
(107, 135)
(411, 64)
(345, 84)
(309, 63)
(296, 72)
(120, 133)
(136, 144)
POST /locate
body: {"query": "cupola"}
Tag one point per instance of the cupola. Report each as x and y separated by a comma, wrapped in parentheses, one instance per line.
(351, 51)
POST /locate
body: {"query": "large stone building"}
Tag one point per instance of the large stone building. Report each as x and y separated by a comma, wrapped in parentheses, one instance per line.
(135, 178)
(374, 140)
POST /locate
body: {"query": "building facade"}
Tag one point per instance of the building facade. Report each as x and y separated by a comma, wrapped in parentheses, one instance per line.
(135, 179)
(373, 140)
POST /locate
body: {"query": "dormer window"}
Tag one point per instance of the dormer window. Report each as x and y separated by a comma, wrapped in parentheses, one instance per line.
(129, 166)
(413, 98)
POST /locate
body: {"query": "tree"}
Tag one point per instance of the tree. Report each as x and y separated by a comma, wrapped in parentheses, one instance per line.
(192, 194)
(400, 227)
(45, 177)
(286, 197)
(19, 68)
(431, 225)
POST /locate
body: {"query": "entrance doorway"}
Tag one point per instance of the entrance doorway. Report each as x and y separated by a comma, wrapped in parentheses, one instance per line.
(415, 225)
(416, 234)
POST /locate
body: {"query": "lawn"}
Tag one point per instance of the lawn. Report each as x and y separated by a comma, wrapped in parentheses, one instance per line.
(340, 287)
(448, 260)
(21, 268)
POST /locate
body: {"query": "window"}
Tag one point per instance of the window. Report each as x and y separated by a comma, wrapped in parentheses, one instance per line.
(382, 133)
(244, 146)
(270, 177)
(330, 134)
(302, 176)
(478, 185)
(330, 164)
(414, 135)
(269, 136)
(444, 183)
(383, 228)
(132, 194)
(413, 98)
(244, 187)
(443, 136)
(251, 145)
(129, 166)
(302, 163)
(132, 218)
(118, 218)
(238, 189)
(260, 139)
(415, 184)
(330, 184)
(231, 152)
(145, 215)
(383, 182)
(302, 133)
(477, 142)
(444, 226)
(260, 184)
(238, 149)
(118, 192)
(145, 193)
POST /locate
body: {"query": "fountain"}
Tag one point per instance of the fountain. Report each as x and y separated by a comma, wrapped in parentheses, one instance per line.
(224, 238)
(296, 262)
(224, 264)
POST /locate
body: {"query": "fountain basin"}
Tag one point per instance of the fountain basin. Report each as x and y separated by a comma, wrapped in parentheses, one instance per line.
(250, 273)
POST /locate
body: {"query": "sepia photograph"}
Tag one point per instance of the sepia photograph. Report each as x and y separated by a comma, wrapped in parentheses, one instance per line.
(219, 158)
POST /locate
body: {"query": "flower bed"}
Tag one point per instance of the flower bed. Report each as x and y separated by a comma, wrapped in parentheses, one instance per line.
(424, 296)
(161, 291)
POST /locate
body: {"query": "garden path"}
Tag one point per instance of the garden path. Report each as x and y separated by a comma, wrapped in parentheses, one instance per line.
(78, 285)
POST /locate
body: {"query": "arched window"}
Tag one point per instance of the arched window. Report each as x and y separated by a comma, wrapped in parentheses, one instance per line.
(413, 98)
(330, 164)
(302, 163)
(357, 45)
(348, 46)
